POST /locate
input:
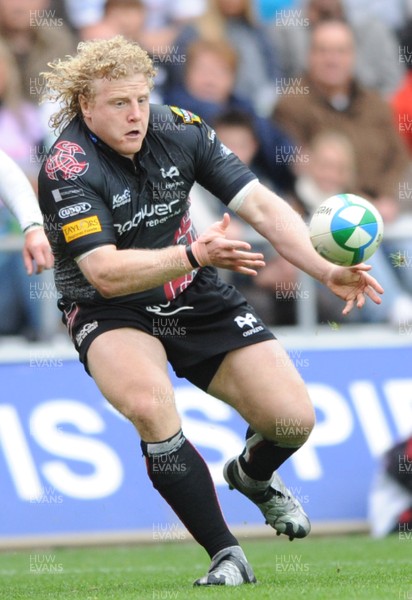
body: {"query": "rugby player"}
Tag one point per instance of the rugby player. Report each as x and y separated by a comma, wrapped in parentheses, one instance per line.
(116, 188)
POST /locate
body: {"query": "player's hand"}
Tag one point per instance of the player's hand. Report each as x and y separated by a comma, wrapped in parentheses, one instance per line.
(353, 285)
(37, 251)
(213, 248)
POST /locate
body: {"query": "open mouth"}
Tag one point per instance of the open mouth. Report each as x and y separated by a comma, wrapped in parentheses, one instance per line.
(133, 134)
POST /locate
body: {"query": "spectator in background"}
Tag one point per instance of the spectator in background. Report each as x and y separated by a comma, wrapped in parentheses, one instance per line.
(335, 100)
(330, 169)
(390, 12)
(21, 134)
(35, 38)
(208, 90)
(120, 17)
(234, 21)
(84, 13)
(402, 98)
(165, 20)
(267, 9)
(21, 139)
(163, 15)
(402, 107)
(377, 62)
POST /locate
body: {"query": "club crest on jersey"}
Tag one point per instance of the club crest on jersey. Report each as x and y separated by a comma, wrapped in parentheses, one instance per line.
(248, 320)
(64, 161)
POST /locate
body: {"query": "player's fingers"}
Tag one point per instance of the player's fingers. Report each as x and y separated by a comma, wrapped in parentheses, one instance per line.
(248, 259)
(371, 293)
(237, 245)
(225, 221)
(246, 271)
(43, 257)
(39, 257)
(361, 267)
(49, 259)
(242, 255)
(373, 283)
(360, 300)
(28, 261)
(246, 266)
(348, 307)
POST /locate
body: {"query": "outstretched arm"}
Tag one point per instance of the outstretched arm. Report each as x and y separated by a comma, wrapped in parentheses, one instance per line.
(273, 218)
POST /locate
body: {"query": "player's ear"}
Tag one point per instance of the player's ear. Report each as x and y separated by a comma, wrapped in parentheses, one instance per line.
(85, 104)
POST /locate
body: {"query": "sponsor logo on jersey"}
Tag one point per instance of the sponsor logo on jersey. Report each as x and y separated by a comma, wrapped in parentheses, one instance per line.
(74, 209)
(80, 228)
(64, 161)
(163, 210)
(172, 172)
(66, 193)
(85, 330)
(248, 321)
(121, 199)
(186, 116)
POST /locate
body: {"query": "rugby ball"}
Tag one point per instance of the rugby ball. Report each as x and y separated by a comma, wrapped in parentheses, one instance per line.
(346, 229)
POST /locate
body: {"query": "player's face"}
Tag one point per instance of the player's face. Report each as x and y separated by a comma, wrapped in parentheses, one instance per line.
(119, 112)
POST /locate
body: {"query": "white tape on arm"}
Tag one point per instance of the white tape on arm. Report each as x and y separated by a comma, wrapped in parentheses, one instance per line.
(238, 200)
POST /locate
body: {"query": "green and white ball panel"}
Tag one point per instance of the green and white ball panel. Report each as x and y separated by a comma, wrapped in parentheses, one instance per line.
(346, 229)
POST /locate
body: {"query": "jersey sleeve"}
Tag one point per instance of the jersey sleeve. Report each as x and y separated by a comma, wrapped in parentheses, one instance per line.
(216, 168)
(75, 214)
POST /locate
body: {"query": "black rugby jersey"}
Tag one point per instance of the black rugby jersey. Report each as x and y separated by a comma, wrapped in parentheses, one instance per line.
(91, 196)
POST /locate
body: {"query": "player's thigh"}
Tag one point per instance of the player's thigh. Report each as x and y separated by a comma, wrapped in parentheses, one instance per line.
(262, 384)
(130, 369)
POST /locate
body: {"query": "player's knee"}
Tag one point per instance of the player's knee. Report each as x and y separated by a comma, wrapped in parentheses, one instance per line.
(294, 431)
(291, 429)
(145, 408)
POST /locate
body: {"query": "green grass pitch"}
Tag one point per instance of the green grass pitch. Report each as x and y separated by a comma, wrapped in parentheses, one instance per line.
(352, 567)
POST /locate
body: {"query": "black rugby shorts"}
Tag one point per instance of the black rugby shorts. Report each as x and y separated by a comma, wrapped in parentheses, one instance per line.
(197, 328)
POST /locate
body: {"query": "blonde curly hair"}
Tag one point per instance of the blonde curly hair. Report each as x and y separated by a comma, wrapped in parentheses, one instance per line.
(95, 59)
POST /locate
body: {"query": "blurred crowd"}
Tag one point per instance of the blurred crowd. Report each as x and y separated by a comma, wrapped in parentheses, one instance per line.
(314, 95)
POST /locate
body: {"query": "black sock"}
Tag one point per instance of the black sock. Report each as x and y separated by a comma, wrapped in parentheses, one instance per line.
(260, 457)
(181, 476)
